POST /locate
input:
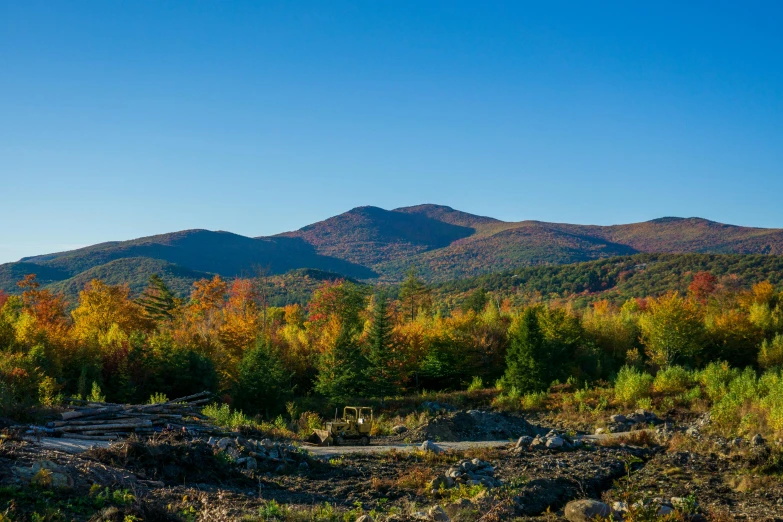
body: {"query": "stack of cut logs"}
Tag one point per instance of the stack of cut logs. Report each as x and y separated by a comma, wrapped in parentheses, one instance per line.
(106, 421)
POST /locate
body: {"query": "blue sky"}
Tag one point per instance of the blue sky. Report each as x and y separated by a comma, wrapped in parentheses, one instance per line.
(125, 119)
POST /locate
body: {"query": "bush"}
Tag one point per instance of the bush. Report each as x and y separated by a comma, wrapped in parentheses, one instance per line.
(672, 380)
(632, 385)
(534, 401)
(222, 416)
(476, 384)
(736, 409)
(771, 353)
(715, 379)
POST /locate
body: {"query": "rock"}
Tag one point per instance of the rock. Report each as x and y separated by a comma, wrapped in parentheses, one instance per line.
(437, 514)
(251, 463)
(600, 431)
(478, 463)
(758, 440)
(212, 441)
(225, 443)
(619, 507)
(618, 419)
(268, 444)
(463, 503)
(398, 429)
(682, 503)
(364, 518)
(45, 473)
(441, 482)
(524, 441)
(554, 442)
(665, 510)
(304, 466)
(586, 510)
(428, 445)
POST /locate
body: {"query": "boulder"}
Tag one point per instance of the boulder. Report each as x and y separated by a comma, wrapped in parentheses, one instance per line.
(364, 518)
(45, 473)
(619, 507)
(437, 514)
(665, 510)
(398, 429)
(441, 481)
(225, 443)
(586, 510)
(251, 463)
(428, 445)
(524, 441)
(555, 442)
(757, 440)
(618, 419)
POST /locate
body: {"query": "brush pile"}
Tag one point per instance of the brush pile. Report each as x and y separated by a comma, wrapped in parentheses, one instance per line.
(107, 421)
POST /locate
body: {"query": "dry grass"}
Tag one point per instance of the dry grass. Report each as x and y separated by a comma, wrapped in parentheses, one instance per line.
(632, 438)
(432, 458)
(485, 453)
(681, 442)
(416, 479)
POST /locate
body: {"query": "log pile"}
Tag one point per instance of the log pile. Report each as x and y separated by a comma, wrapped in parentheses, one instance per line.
(107, 421)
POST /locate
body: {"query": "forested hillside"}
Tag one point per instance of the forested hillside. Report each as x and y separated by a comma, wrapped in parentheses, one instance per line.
(377, 245)
(617, 279)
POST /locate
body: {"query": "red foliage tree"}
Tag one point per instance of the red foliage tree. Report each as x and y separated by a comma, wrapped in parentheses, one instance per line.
(702, 286)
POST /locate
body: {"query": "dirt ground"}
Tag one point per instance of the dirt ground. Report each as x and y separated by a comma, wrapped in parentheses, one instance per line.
(179, 479)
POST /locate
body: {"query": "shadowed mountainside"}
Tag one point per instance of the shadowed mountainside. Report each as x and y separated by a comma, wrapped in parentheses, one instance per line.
(371, 243)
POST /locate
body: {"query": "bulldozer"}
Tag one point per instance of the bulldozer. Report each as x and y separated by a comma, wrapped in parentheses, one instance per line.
(353, 428)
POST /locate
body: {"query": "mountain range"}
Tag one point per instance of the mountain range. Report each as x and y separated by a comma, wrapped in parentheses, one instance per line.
(373, 244)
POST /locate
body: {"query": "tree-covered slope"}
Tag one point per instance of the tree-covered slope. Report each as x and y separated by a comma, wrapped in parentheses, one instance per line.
(370, 243)
(620, 278)
(191, 251)
(371, 235)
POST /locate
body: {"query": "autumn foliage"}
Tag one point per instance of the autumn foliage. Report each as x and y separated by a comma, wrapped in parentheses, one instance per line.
(353, 341)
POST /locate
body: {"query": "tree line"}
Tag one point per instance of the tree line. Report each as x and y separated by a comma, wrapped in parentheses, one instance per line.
(351, 341)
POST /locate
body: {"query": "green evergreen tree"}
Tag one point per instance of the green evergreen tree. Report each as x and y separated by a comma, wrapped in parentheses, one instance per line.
(476, 301)
(383, 370)
(341, 370)
(263, 383)
(157, 300)
(527, 356)
(415, 295)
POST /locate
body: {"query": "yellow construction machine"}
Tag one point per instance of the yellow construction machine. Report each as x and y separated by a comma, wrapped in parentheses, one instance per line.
(353, 428)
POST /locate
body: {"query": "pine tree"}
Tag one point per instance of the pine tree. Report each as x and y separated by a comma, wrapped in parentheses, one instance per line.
(526, 356)
(262, 381)
(383, 371)
(341, 369)
(157, 300)
(414, 295)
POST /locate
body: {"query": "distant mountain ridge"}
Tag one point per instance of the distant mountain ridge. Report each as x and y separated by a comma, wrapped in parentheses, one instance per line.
(370, 243)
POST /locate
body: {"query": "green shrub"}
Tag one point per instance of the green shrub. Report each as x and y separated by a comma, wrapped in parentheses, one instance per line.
(715, 379)
(771, 353)
(742, 393)
(632, 385)
(476, 384)
(534, 401)
(672, 380)
(222, 416)
(158, 398)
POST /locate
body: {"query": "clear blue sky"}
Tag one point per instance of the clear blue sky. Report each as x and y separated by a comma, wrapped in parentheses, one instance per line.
(125, 119)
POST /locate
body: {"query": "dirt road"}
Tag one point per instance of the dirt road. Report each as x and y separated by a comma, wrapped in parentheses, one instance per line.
(78, 446)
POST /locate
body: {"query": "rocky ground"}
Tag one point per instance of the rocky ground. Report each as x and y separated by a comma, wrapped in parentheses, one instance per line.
(678, 471)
